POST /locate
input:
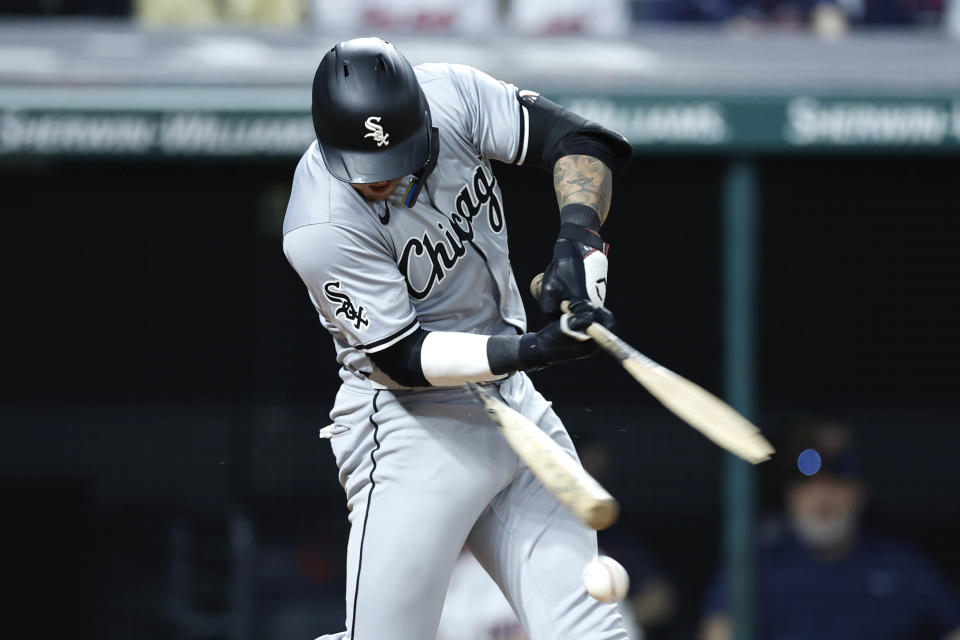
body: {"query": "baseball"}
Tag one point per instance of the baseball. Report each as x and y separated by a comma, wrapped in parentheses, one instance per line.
(606, 579)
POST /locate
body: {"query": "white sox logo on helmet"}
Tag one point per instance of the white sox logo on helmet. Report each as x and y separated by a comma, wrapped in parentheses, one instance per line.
(376, 131)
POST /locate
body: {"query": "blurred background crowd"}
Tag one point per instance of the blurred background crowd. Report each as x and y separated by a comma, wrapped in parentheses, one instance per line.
(538, 17)
(164, 375)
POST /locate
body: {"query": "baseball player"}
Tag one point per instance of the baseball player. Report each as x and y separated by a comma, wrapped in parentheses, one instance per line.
(397, 228)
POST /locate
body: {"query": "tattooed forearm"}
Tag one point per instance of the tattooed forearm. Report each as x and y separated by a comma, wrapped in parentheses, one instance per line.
(583, 180)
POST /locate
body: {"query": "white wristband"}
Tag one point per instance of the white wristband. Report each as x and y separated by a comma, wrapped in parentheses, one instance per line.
(450, 358)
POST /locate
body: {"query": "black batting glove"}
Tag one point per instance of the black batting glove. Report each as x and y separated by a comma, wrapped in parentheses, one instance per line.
(578, 271)
(563, 339)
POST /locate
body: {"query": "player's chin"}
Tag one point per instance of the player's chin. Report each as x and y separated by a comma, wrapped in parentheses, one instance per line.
(377, 195)
(378, 190)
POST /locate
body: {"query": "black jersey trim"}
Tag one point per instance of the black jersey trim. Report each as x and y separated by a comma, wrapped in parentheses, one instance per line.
(383, 343)
(523, 140)
(366, 515)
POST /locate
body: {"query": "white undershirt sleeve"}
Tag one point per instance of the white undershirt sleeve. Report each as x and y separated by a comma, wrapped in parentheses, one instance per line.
(451, 358)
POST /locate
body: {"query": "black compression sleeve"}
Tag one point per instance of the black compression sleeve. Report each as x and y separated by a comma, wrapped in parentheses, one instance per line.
(550, 131)
(401, 361)
(583, 143)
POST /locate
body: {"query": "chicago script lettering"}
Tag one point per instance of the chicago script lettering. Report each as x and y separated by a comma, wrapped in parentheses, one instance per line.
(441, 256)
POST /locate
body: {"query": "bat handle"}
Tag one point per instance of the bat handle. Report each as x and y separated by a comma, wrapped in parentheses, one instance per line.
(594, 330)
(536, 285)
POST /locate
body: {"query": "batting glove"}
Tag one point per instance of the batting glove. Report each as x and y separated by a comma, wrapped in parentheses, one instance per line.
(561, 339)
(578, 271)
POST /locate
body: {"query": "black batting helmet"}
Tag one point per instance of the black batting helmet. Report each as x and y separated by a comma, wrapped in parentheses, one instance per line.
(371, 117)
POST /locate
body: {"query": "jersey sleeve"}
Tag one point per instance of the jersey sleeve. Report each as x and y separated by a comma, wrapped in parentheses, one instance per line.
(492, 115)
(354, 284)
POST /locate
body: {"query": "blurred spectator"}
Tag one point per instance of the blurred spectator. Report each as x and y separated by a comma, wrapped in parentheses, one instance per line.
(208, 12)
(353, 17)
(828, 17)
(820, 576)
(537, 17)
(65, 7)
(736, 12)
(301, 569)
(891, 12)
(952, 19)
(553, 17)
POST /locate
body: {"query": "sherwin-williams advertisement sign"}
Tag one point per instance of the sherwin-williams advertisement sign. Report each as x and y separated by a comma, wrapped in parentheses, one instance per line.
(777, 124)
(144, 133)
(652, 123)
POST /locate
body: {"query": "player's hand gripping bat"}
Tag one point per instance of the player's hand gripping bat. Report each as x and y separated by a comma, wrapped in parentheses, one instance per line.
(559, 472)
(696, 406)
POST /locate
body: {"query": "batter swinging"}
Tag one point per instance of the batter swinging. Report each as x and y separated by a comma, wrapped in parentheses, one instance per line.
(397, 227)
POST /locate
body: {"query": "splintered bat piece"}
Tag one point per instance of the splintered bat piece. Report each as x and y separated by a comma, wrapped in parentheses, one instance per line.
(696, 406)
(556, 469)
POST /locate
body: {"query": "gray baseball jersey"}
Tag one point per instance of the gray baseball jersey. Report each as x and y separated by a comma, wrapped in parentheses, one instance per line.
(425, 473)
(376, 271)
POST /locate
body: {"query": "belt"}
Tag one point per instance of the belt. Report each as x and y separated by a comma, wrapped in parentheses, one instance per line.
(398, 387)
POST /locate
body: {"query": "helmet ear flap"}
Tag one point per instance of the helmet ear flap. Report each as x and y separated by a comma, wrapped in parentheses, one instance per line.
(420, 177)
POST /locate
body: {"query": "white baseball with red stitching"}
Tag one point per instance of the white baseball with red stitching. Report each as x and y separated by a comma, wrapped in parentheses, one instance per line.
(606, 579)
